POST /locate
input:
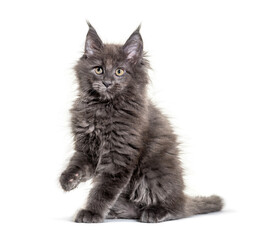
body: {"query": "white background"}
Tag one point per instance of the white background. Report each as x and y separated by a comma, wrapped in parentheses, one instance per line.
(202, 58)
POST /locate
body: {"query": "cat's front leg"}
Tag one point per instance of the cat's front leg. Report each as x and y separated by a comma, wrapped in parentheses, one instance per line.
(107, 189)
(70, 178)
(79, 169)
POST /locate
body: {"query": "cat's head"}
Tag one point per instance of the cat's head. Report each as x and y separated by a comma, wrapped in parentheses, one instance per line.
(108, 70)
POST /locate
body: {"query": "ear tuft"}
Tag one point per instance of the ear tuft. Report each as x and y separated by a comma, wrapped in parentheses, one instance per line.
(88, 23)
(93, 42)
(133, 47)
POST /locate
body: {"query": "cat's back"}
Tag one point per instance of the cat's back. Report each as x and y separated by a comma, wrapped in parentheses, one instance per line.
(160, 143)
(159, 124)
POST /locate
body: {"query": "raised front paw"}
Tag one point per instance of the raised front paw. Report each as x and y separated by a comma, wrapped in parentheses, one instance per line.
(70, 178)
(86, 216)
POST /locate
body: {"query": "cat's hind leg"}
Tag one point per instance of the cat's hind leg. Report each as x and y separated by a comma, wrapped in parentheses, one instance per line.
(158, 213)
(124, 209)
(181, 208)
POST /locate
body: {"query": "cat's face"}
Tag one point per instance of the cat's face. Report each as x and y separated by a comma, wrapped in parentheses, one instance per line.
(109, 69)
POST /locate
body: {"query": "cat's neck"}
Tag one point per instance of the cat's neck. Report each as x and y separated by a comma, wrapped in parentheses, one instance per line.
(136, 98)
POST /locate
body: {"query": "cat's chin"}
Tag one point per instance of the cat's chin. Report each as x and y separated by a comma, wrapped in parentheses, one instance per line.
(106, 94)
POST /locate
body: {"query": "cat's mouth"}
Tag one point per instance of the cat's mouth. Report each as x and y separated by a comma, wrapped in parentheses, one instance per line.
(105, 92)
(108, 91)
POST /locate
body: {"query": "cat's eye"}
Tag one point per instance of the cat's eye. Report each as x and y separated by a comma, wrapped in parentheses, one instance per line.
(119, 71)
(98, 70)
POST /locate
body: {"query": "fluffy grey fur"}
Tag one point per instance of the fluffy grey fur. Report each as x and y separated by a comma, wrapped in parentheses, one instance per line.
(124, 142)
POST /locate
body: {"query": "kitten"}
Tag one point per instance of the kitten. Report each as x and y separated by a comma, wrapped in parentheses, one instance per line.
(124, 142)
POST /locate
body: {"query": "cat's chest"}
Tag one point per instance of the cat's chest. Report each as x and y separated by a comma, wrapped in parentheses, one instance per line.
(100, 125)
(97, 121)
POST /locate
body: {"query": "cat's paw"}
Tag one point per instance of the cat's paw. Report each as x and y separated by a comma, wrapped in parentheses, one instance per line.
(149, 216)
(154, 215)
(86, 216)
(70, 178)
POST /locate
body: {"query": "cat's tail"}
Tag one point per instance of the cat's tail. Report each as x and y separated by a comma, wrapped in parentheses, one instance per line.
(201, 205)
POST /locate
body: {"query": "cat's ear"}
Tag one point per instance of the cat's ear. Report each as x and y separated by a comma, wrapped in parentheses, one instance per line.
(133, 47)
(93, 42)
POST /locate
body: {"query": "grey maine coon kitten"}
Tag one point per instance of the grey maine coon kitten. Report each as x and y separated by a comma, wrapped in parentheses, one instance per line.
(124, 142)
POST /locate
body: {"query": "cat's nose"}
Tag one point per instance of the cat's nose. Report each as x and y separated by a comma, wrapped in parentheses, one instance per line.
(107, 84)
